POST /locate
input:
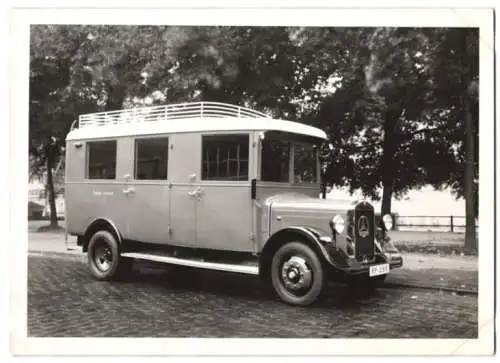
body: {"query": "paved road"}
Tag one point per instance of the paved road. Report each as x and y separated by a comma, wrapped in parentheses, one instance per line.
(63, 300)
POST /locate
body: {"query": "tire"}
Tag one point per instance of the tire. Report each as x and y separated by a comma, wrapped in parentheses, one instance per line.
(104, 259)
(290, 260)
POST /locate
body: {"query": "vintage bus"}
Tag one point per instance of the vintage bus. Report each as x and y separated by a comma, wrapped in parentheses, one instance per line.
(216, 186)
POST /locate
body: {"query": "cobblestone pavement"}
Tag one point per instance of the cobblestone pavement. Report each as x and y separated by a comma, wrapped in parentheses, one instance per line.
(63, 300)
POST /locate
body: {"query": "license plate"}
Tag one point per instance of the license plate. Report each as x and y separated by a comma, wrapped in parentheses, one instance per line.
(378, 270)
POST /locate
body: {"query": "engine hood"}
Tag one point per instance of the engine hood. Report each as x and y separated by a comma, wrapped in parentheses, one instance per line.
(298, 201)
(295, 209)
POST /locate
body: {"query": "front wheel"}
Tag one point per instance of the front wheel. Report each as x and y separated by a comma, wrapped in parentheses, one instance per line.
(297, 274)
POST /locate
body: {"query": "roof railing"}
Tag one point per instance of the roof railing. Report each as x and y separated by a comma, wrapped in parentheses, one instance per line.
(167, 112)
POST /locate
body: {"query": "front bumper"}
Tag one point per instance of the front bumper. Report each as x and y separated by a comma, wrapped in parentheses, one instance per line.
(354, 268)
(394, 260)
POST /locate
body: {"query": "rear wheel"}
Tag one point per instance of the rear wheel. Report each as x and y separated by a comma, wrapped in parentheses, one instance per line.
(297, 274)
(104, 260)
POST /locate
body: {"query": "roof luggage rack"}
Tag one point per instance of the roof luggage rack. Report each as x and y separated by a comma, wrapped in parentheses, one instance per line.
(167, 112)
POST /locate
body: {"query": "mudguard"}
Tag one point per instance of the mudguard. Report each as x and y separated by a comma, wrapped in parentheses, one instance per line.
(98, 224)
(336, 258)
(320, 240)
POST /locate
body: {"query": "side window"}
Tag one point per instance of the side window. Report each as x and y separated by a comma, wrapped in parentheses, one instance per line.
(151, 159)
(101, 160)
(225, 157)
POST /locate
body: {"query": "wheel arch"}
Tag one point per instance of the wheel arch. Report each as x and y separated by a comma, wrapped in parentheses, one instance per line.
(100, 224)
(293, 233)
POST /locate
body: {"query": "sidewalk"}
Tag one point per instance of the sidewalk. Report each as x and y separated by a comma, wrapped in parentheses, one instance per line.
(458, 273)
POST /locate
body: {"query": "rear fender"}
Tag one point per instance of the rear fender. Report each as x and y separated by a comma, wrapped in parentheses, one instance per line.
(99, 225)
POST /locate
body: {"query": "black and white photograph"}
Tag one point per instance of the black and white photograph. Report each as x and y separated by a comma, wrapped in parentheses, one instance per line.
(307, 178)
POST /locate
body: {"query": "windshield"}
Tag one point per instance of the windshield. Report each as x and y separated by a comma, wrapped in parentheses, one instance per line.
(277, 160)
(304, 162)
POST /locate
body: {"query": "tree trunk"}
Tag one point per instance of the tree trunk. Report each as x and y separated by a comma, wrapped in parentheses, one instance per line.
(387, 163)
(323, 181)
(51, 194)
(386, 197)
(470, 208)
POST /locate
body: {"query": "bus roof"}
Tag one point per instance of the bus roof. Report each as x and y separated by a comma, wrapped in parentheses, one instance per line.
(226, 124)
(183, 118)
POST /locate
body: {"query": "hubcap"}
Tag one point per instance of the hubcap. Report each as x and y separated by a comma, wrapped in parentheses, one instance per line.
(103, 257)
(295, 274)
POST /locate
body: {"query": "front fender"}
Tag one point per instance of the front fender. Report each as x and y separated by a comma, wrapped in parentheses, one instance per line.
(318, 239)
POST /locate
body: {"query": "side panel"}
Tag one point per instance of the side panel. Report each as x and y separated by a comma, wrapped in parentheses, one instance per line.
(182, 216)
(149, 203)
(184, 170)
(224, 217)
(87, 199)
(207, 214)
(149, 211)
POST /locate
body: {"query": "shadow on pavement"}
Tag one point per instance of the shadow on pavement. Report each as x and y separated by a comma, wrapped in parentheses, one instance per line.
(222, 284)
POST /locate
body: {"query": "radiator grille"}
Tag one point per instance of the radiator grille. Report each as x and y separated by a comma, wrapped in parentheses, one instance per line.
(364, 223)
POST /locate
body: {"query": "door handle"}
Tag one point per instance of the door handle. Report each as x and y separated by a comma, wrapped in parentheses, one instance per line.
(128, 191)
(197, 193)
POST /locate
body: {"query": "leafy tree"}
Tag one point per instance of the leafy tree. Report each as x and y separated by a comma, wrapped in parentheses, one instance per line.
(406, 114)
(456, 91)
(51, 52)
(380, 118)
(259, 67)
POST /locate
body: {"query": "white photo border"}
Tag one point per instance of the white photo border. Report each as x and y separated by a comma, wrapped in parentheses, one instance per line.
(20, 21)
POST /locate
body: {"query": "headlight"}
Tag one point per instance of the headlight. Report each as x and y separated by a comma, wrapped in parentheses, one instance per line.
(387, 219)
(338, 223)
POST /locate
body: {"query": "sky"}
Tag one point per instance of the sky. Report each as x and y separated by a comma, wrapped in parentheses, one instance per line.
(423, 202)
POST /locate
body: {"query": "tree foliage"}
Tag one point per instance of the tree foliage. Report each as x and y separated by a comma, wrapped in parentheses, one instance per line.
(397, 119)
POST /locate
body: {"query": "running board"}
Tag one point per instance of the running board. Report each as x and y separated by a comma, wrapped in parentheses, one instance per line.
(244, 269)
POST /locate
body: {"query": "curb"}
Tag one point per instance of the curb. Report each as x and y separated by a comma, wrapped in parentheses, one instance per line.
(60, 255)
(81, 257)
(458, 291)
